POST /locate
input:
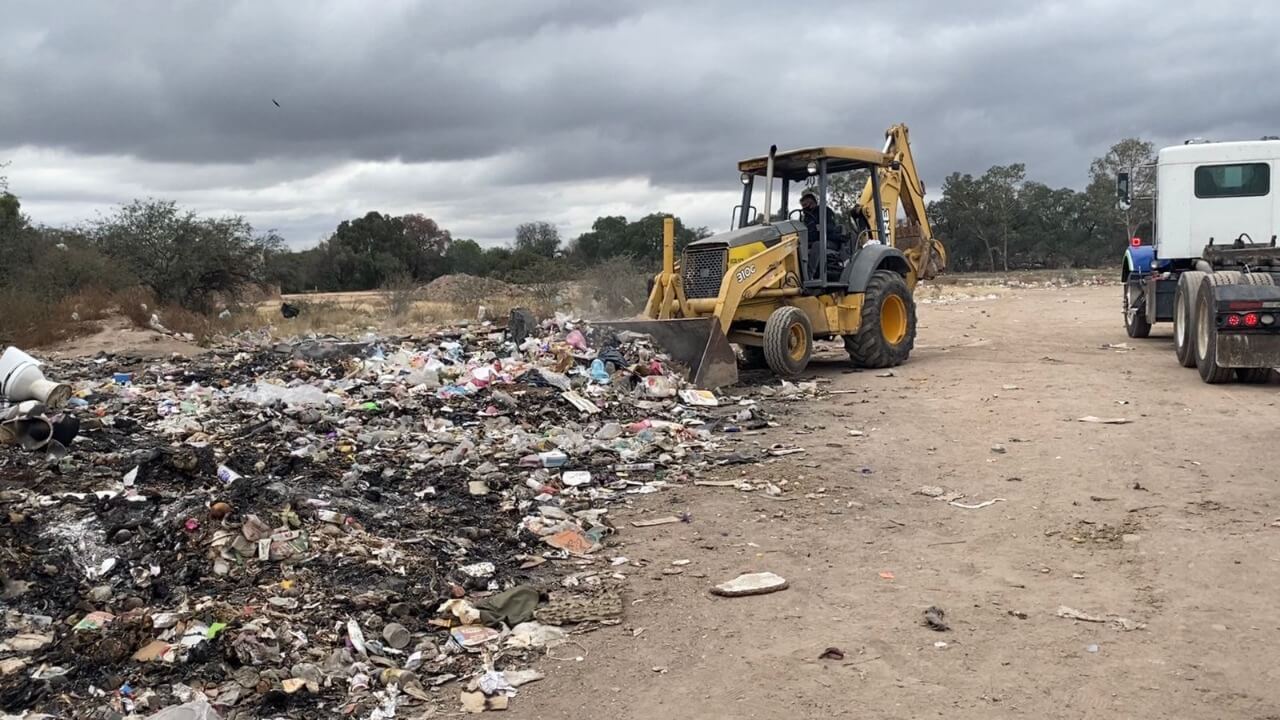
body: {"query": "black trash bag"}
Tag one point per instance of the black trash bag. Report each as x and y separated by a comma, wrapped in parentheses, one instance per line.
(520, 325)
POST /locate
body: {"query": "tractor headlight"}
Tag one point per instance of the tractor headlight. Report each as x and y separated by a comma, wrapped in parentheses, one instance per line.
(746, 178)
(812, 167)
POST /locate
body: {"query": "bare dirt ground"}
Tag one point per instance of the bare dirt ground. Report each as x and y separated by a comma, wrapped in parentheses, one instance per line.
(1165, 521)
(118, 335)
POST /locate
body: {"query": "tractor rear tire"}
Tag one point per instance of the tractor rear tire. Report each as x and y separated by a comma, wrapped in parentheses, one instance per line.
(1184, 310)
(753, 357)
(887, 329)
(1256, 278)
(788, 341)
(1206, 328)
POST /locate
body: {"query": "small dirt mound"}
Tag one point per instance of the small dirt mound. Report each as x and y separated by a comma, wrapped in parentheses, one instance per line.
(462, 288)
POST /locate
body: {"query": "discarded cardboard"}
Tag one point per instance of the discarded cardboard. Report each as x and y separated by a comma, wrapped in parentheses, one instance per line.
(668, 520)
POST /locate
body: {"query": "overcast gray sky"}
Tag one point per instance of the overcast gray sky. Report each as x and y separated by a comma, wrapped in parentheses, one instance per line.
(484, 115)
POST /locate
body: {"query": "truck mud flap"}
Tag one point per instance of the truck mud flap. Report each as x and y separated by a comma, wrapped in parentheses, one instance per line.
(1239, 350)
(1256, 348)
(697, 343)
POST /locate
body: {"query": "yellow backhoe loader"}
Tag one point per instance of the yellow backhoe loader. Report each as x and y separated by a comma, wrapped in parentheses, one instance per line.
(774, 282)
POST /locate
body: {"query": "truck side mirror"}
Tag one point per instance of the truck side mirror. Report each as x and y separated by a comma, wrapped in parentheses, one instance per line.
(1123, 196)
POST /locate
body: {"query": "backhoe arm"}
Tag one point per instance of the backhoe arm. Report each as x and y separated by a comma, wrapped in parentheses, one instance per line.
(900, 183)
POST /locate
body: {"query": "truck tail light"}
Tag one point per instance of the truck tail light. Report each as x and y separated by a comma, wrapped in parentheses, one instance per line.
(1251, 320)
(1233, 321)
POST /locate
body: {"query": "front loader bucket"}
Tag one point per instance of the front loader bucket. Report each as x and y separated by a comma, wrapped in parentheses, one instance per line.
(698, 343)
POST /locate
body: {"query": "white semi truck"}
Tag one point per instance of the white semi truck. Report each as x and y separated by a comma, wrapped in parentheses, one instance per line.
(1212, 263)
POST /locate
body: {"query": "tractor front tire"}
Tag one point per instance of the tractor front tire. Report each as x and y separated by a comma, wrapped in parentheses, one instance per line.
(788, 341)
(887, 330)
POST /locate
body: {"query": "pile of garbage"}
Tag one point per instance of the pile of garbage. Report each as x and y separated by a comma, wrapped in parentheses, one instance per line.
(374, 528)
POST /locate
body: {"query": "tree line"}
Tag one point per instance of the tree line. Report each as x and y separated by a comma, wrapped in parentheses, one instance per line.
(999, 220)
(369, 251)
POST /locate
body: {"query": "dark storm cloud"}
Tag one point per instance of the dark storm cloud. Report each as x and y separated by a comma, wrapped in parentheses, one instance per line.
(673, 91)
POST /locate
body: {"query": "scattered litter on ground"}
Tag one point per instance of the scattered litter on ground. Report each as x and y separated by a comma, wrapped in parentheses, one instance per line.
(759, 583)
(330, 522)
(1104, 421)
(933, 617)
(978, 506)
(886, 575)
(668, 520)
(832, 653)
(1113, 620)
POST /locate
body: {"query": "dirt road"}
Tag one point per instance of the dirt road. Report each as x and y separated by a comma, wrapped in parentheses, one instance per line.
(1165, 521)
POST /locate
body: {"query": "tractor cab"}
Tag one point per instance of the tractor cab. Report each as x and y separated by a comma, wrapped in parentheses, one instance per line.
(827, 244)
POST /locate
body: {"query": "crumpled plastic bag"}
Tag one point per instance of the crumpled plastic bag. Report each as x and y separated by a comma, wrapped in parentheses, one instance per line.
(299, 395)
(536, 635)
(194, 710)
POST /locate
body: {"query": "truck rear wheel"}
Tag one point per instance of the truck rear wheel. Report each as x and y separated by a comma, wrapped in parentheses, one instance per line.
(1184, 304)
(1206, 328)
(1256, 278)
(788, 341)
(887, 327)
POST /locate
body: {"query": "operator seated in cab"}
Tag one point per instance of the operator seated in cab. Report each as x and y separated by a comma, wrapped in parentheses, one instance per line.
(810, 214)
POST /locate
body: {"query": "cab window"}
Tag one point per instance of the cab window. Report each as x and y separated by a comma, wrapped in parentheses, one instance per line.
(1240, 180)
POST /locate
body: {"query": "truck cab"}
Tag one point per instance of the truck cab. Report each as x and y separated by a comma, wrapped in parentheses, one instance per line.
(1215, 214)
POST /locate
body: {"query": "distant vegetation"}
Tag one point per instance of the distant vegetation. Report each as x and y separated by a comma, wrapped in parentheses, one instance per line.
(155, 253)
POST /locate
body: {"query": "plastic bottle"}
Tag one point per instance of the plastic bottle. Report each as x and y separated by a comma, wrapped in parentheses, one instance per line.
(537, 486)
(598, 373)
(227, 475)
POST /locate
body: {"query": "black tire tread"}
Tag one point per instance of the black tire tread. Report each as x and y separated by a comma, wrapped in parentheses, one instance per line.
(1254, 376)
(776, 332)
(1210, 371)
(1188, 284)
(867, 347)
(1139, 328)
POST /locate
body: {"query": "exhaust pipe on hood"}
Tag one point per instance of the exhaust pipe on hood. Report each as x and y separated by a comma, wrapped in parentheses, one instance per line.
(768, 188)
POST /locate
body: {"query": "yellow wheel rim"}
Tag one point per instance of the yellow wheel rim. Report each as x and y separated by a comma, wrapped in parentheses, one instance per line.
(893, 319)
(796, 342)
